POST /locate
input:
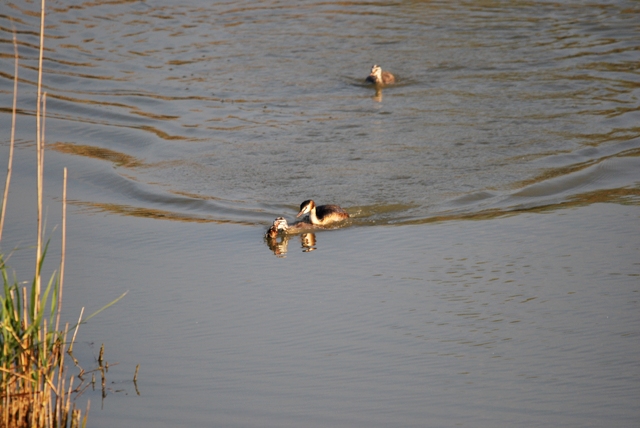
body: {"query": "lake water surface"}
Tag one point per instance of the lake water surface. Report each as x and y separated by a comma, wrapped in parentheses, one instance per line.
(490, 272)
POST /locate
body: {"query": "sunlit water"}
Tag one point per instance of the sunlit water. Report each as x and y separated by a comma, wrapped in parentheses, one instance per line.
(240, 111)
(499, 286)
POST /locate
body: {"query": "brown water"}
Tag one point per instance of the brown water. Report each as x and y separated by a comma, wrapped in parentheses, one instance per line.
(499, 284)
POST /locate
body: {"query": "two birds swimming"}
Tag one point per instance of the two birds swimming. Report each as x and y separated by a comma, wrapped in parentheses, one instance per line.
(324, 215)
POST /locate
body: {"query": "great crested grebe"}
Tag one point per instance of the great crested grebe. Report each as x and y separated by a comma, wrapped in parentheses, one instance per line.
(322, 215)
(379, 77)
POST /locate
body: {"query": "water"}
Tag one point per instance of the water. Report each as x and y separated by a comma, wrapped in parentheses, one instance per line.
(499, 284)
(184, 97)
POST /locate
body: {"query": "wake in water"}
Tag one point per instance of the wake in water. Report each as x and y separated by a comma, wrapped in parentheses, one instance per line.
(217, 120)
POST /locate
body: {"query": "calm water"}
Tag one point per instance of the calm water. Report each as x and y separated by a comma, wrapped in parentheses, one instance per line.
(499, 286)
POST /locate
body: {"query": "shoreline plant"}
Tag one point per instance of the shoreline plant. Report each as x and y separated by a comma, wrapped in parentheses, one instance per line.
(35, 389)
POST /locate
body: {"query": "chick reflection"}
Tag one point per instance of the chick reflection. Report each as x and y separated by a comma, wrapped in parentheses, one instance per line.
(280, 233)
(278, 244)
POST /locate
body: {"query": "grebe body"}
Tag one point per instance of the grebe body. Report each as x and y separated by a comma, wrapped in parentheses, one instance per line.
(322, 215)
(379, 77)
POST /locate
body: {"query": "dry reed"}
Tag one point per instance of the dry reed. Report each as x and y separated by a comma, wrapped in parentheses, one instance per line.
(35, 389)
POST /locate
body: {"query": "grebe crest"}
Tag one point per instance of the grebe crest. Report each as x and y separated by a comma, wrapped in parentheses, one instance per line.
(322, 215)
(379, 77)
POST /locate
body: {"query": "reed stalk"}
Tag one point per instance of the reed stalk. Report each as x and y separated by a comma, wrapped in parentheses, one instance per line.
(13, 136)
(39, 152)
(33, 390)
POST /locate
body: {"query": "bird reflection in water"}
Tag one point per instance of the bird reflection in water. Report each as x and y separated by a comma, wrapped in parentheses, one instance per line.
(378, 96)
(308, 241)
(278, 244)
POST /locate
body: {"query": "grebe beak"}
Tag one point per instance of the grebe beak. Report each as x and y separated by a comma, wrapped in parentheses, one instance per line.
(304, 210)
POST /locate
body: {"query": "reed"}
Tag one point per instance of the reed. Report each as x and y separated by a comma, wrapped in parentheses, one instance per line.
(35, 389)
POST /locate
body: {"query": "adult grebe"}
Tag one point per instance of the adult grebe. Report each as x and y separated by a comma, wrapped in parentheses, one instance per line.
(379, 77)
(322, 215)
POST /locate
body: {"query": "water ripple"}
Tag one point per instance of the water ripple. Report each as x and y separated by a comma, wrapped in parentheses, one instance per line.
(263, 105)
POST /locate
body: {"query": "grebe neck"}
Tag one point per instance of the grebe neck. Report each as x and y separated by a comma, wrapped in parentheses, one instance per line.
(313, 217)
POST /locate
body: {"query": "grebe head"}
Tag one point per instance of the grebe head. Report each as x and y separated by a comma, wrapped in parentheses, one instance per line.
(376, 73)
(306, 207)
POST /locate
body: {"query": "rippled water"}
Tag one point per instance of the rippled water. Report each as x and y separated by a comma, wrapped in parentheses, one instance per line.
(238, 111)
(235, 112)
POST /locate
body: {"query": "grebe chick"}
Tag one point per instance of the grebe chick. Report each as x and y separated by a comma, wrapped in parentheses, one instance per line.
(322, 215)
(278, 224)
(379, 77)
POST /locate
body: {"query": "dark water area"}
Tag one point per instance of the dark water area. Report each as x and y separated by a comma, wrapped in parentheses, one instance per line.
(489, 274)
